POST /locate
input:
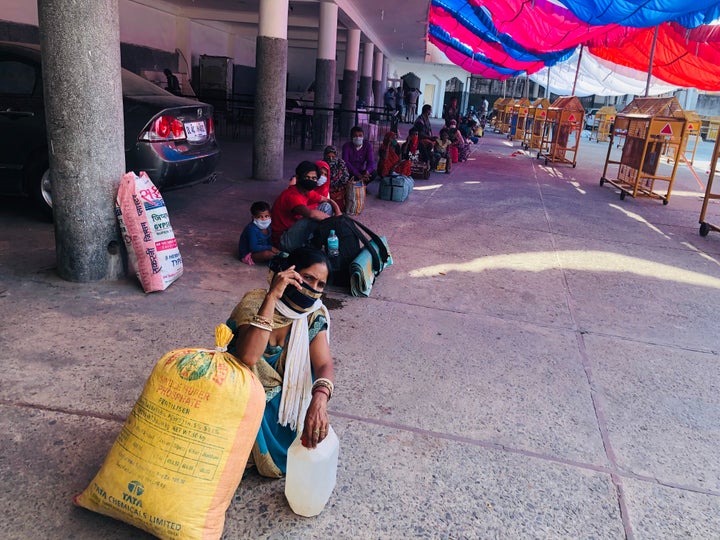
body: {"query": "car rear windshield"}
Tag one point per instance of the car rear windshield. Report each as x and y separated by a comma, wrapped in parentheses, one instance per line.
(135, 85)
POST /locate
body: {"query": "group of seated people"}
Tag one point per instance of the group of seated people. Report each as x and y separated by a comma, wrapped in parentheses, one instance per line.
(422, 152)
(315, 192)
(284, 329)
(318, 190)
(291, 220)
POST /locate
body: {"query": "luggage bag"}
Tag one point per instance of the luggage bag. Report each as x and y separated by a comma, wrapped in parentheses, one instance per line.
(395, 187)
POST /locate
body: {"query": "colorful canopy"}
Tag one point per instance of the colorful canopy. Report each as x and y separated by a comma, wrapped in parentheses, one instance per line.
(689, 13)
(506, 38)
(597, 76)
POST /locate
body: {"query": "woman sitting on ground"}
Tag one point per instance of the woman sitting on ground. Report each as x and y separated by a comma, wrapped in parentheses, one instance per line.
(389, 154)
(416, 152)
(463, 147)
(412, 149)
(442, 149)
(283, 334)
(339, 176)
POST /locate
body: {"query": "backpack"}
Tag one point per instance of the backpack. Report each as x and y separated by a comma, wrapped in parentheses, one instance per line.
(395, 187)
(353, 236)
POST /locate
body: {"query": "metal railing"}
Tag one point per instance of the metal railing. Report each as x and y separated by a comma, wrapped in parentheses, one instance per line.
(236, 118)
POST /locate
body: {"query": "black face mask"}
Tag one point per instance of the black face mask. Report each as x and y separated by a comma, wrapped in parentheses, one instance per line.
(302, 300)
(307, 185)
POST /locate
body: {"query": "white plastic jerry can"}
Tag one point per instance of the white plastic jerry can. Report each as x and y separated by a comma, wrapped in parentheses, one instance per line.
(311, 474)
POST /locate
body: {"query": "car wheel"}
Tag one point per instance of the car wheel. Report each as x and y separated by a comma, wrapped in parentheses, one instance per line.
(38, 176)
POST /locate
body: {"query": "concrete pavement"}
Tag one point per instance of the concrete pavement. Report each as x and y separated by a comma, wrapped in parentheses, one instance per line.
(541, 361)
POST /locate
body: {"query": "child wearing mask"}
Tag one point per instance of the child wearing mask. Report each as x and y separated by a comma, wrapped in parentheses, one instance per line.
(255, 246)
(323, 188)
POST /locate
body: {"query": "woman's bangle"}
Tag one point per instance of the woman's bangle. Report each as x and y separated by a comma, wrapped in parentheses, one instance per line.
(322, 390)
(261, 326)
(324, 383)
(262, 320)
(263, 323)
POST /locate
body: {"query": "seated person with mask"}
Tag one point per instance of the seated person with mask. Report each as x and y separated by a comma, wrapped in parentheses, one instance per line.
(358, 156)
(293, 217)
(323, 187)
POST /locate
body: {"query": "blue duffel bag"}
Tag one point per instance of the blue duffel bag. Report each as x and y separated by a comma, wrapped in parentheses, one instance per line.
(395, 187)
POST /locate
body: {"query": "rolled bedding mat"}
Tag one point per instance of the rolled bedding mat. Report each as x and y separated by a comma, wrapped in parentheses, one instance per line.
(362, 276)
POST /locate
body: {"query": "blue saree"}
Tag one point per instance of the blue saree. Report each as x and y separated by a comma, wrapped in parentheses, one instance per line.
(273, 440)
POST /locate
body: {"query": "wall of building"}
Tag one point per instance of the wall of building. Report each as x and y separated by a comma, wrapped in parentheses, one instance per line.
(149, 38)
(147, 27)
(19, 11)
(245, 47)
(430, 74)
(708, 105)
(301, 69)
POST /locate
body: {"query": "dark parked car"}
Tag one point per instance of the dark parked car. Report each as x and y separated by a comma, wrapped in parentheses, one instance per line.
(171, 138)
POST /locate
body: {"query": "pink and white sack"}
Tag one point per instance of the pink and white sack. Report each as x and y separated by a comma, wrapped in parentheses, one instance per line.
(146, 230)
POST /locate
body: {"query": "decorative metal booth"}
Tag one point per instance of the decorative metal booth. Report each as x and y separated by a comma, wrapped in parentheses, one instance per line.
(562, 129)
(537, 114)
(649, 126)
(690, 141)
(602, 124)
(710, 197)
(505, 114)
(518, 124)
(498, 118)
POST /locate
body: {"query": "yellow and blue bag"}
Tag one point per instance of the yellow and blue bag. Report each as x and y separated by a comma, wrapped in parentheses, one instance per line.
(181, 454)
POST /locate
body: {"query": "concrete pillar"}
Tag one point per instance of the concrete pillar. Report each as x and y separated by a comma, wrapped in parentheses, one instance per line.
(386, 69)
(366, 74)
(377, 86)
(182, 45)
(350, 80)
(325, 76)
(270, 88)
(80, 42)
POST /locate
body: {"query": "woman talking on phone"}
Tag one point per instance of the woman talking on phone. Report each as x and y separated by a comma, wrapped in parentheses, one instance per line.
(283, 334)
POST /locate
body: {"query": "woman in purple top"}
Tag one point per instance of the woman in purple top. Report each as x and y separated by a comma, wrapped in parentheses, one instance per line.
(358, 156)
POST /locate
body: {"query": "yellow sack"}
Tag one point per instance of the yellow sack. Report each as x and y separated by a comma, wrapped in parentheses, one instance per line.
(182, 452)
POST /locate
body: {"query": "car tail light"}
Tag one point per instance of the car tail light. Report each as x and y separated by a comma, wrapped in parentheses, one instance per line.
(210, 126)
(164, 128)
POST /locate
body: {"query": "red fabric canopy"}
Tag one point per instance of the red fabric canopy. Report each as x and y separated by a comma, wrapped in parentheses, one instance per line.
(541, 26)
(503, 38)
(493, 51)
(683, 57)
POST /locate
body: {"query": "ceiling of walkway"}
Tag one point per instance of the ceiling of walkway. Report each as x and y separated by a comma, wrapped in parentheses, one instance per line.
(398, 29)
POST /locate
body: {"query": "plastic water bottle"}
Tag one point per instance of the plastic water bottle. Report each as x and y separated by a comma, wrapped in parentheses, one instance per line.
(333, 244)
(311, 474)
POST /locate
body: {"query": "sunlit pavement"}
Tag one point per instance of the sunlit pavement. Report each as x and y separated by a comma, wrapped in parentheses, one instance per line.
(541, 361)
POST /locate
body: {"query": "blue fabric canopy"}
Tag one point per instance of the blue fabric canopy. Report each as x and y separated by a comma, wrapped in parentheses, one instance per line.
(479, 21)
(506, 38)
(644, 13)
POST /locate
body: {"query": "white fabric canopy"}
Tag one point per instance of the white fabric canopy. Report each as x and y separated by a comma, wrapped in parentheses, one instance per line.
(598, 76)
